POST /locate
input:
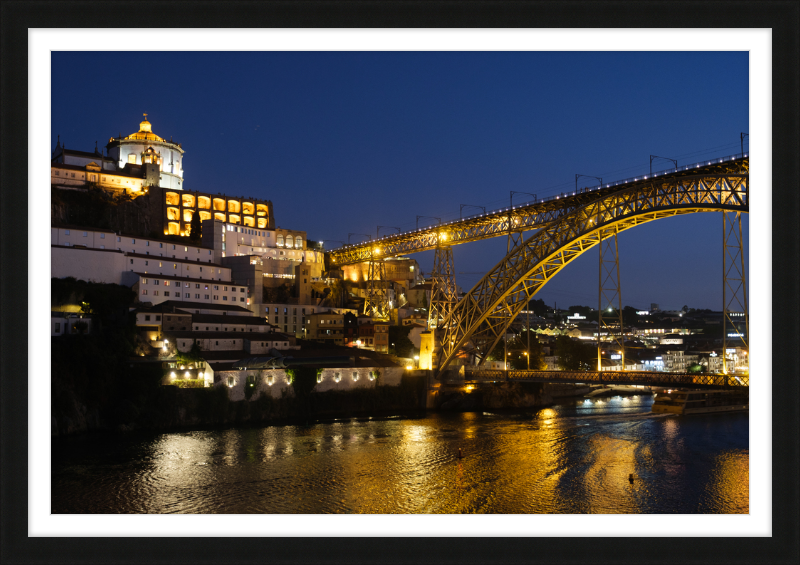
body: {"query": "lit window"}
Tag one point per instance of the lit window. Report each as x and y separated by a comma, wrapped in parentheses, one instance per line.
(66, 232)
(85, 234)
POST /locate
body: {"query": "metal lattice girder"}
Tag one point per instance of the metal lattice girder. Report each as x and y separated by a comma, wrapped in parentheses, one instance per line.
(493, 303)
(376, 303)
(514, 220)
(444, 294)
(610, 299)
(734, 287)
(644, 378)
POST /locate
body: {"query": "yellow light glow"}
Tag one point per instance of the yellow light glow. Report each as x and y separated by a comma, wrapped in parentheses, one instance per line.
(443, 236)
(409, 367)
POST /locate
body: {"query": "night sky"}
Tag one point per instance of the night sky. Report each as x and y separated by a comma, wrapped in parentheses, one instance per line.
(345, 141)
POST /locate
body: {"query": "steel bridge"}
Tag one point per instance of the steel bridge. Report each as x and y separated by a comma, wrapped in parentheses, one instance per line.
(567, 226)
(517, 219)
(642, 378)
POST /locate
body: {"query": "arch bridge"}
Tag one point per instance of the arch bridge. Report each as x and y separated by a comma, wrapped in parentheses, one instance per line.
(567, 226)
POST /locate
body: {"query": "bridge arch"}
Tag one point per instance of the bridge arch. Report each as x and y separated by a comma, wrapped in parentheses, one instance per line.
(486, 311)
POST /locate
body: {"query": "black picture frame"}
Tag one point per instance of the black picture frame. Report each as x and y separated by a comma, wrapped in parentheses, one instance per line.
(16, 374)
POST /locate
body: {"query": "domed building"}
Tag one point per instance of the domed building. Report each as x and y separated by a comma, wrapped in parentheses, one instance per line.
(161, 160)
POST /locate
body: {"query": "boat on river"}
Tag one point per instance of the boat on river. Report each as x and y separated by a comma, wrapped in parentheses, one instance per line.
(617, 390)
(700, 401)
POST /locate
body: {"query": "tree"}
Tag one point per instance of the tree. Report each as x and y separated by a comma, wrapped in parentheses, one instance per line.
(629, 316)
(538, 307)
(277, 294)
(574, 355)
(195, 228)
(399, 342)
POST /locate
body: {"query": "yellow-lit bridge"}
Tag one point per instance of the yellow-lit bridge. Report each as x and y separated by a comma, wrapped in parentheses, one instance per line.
(567, 225)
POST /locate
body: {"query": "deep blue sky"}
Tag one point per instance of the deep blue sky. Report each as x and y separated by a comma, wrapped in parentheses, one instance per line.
(344, 142)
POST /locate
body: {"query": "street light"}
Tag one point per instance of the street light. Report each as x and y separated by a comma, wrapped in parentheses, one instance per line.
(469, 206)
(587, 176)
(652, 157)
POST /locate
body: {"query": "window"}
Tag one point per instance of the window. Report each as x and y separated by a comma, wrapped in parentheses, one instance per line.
(206, 296)
(58, 327)
(166, 293)
(197, 286)
(241, 289)
(224, 298)
(216, 287)
(85, 234)
(188, 295)
(66, 232)
(225, 289)
(206, 287)
(155, 293)
(144, 291)
(145, 263)
(133, 241)
(159, 263)
(147, 244)
(102, 247)
(174, 265)
(161, 245)
(166, 283)
(118, 239)
(216, 297)
(173, 247)
(144, 281)
(197, 296)
(156, 281)
(185, 285)
(241, 299)
(132, 158)
(158, 318)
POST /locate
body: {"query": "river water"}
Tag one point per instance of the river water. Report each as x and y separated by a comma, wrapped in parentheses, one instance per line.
(575, 457)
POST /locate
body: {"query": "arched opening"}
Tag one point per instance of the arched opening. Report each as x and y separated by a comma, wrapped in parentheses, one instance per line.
(249, 221)
(205, 216)
(218, 216)
(174, 228)
(234, 206)
(234, 219)
(173, 199)
(247, 208)
(262, 223)
(261, 210)
(279, 241)
(204, 202)
(298, 242)
(219, 204)
(188, 200)
(289, 242)
(187, 215)
(173, 214)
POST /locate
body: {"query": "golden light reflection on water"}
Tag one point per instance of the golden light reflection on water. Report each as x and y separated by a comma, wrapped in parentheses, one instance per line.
(544, 462)
(729, 484)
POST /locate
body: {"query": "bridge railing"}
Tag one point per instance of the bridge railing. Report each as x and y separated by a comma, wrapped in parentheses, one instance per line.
(647, 378)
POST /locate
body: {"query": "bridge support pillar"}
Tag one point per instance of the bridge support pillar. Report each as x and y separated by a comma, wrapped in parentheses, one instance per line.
(444, 294)
(735, 318)
(376, 303)
(610, 298)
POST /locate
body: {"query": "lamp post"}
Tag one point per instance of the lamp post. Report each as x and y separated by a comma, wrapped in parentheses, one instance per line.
(653, 157)
(742, 135)
(433, 217)
(461, 208)
(416, 361)
(587, 176)
(349, 235)
(378, 231)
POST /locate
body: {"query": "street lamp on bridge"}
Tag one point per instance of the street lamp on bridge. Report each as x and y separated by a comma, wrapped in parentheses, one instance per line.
(378, 232)
(433, 217)
(654, 157)
(587, 176)
(352, 234)
(460, 217)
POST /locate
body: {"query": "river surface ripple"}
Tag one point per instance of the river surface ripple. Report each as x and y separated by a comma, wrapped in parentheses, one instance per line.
(571, 458)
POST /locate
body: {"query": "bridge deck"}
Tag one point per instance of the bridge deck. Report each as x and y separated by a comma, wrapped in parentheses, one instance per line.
(645, 378)
(520, 218)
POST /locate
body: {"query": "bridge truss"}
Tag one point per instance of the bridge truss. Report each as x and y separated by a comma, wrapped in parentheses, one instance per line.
(643, 378)
(512, 221)
(485, 313)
